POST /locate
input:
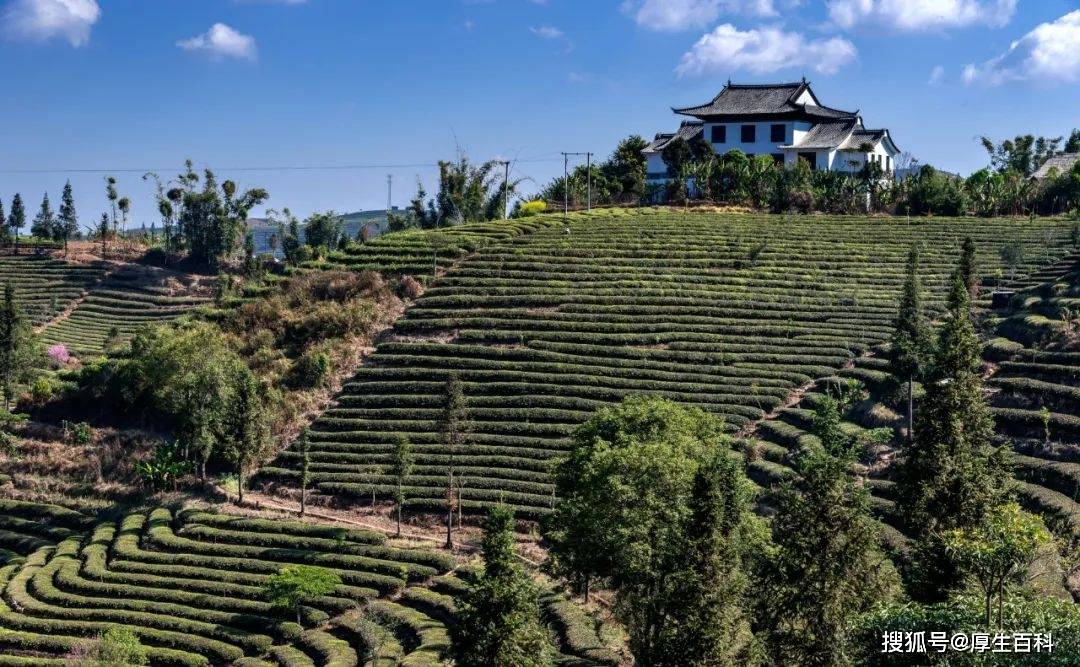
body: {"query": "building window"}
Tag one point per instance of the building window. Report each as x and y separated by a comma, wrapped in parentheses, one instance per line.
(778, 158)
(810, 159)
(777, 133)
(719, 134)
(888, 163)
(749, 134)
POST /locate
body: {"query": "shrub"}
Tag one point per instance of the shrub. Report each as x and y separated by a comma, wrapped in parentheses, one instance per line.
(311, 370)
(410, 288)
(531, 208)
(58, 354)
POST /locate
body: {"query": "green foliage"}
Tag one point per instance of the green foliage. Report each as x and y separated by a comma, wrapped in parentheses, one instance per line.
(164, 470)
(467, 192)
(642, 491)
(296, 584)
(965, 613)
(1023, 154)
(997, 551)
(117, 647)
(531, 208)
(311, 370)
(45, 221)
(930, 192)
(324, 231)
(498, 617)
(826, 568)
(20, 351)
(911, 343)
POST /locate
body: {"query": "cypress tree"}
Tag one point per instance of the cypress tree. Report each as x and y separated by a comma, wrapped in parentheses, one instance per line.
(68, 218)
(45, 221)
(17, 219)
(911, 336)
(16, 345)
(951, 476)
(453, 426)
(401, 468)
(5, 233)
(499, 616)
(826, 569)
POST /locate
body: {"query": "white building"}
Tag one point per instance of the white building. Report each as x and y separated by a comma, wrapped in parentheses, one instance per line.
(785, 121)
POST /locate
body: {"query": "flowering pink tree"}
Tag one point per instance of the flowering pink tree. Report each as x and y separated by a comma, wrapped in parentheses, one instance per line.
(59, 354)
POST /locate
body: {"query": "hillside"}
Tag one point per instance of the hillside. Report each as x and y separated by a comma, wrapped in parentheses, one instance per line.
(727, 312)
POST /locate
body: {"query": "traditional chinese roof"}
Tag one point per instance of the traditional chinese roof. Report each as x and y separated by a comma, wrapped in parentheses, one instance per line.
(1062, 163)
(689, 130)
(765, 100)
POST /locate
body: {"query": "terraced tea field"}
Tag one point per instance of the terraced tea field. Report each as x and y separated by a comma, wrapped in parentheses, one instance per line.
(727, 312)
(131, 297)
(44, 286)
(189, 586)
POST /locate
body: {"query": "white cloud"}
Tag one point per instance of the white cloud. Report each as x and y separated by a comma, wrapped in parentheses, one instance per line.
(221, 41)
(1048, 54)
(683, 14)
(45, 19)
(937, 75)
(916, 15)
(764, 50)
(547, 32)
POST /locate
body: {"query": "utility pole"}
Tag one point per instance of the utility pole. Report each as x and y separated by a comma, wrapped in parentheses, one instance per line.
(389, 191)
(588, 179)
(506, 187)
(566, 180)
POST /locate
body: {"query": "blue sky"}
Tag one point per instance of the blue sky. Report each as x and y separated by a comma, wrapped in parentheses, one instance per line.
(137, 84)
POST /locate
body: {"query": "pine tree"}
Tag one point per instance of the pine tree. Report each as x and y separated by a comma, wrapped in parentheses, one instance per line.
(305, 475)
(951, 476)
(5, 233)
(45, 221)
(499, 616)
(453, 427)
(711, 624)
(401, 468)
(826, 569)
(17, 350)
(68, 218)
(17, 219)
(911, 344)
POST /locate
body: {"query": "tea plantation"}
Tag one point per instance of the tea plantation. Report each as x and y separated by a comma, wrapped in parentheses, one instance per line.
(45, 286)
(731, 313)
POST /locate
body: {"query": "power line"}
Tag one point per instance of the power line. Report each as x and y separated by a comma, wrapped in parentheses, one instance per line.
(329, 167)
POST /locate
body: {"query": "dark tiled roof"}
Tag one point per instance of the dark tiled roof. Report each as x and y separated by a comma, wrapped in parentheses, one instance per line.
(763, 99)
(863, 136)
(689, 130)
(1062, 163)
(828, 135)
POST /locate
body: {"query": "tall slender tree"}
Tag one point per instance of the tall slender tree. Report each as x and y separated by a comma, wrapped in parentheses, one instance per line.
(499, 616)
(17, 219)
(401, 468)
(247, 429)
(68, 218)
(113, 196)
(45, 220)
(5, 232)
(17, 353)
(305, 475)
(911, 344)
(968, 269)
(952, 475)
(453, 427)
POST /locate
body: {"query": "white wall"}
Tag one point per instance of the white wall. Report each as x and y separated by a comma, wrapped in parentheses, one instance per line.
(762, 145)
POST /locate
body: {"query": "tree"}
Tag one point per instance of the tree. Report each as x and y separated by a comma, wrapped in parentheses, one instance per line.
(996, 551)
(289, 233)
(305, 475)
(124, 205)
(68, 220)
(18, 347)
(498, 617)
(453, 427)
(627, 167)
(401, 468)
(45, 221)
(827, 428)
(467, 192)
(247, 428)
(826, 568)
(911, 344)
(1072, 144)
(118, 646)
(639, 480)
(17, 219)
(323, 231)
(294, 585)
(678, 156)
(113, 196)
(951, 475)
(1022, 154)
